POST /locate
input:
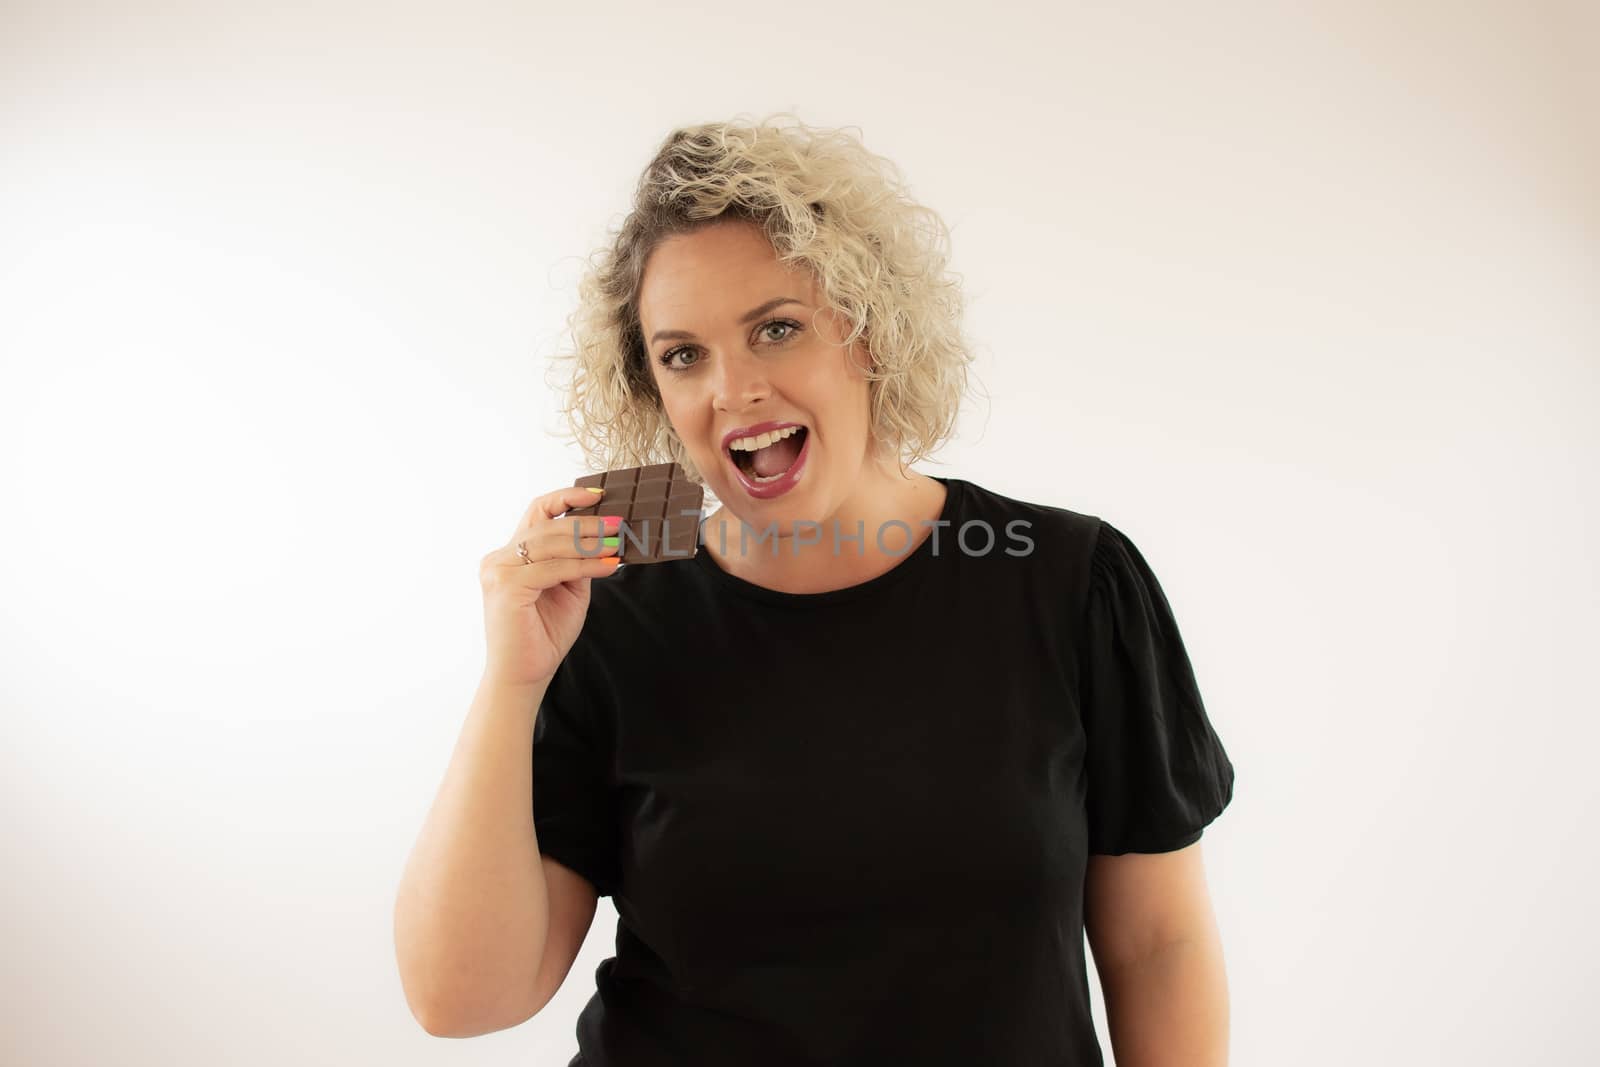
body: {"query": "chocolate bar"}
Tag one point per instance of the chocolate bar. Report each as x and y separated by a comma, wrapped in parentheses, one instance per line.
(660, 509)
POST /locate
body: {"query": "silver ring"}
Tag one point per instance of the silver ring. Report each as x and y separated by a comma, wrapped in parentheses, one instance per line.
(522, 550)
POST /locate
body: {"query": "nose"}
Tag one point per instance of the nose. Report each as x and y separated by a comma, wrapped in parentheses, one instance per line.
(739, 380)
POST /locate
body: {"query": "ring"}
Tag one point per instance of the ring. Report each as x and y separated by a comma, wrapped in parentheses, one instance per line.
(522, 550)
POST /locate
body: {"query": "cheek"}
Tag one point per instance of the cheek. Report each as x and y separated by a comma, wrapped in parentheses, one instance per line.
(853, 382)
(853, 367)
(687, 418)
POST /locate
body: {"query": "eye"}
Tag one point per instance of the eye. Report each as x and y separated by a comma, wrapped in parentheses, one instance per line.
(666, 358)
(788, 326)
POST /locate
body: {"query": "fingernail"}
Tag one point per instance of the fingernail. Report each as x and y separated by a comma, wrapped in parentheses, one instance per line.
(612, 523)
(594, 489)
(611, 542)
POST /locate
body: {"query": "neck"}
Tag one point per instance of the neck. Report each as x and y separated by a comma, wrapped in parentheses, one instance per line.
(799, 555)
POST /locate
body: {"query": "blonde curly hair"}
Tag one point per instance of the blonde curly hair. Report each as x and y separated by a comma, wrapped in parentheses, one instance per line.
(824, 202)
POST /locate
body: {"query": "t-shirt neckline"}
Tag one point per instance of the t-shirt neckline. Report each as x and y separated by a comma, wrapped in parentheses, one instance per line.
(917, 561)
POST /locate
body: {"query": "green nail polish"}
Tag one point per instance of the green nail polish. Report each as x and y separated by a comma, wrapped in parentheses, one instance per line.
(611, 542)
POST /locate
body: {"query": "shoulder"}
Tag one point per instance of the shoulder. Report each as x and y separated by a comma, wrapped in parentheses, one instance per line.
(1062, 535)
(1081, 541)
(1041, 564)
(1118, 567)
(1080, 555)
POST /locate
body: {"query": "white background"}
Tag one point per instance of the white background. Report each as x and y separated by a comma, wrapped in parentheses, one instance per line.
(1303, 297)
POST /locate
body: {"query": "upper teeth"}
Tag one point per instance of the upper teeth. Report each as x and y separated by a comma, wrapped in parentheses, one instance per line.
(762, 440)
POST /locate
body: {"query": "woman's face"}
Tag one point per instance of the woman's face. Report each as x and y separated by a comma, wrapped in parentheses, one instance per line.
(730, 362)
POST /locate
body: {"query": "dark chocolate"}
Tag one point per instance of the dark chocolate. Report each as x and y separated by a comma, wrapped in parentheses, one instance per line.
(660, 509)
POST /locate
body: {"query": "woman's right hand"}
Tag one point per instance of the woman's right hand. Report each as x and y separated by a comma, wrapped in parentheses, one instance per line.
(533, 610)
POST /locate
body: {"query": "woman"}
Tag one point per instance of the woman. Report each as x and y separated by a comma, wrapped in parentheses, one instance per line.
(860, 773)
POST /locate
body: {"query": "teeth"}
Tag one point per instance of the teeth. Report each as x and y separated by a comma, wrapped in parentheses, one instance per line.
(762, 440)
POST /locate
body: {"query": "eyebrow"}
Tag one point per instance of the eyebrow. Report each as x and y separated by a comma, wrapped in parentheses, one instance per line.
(747, 317)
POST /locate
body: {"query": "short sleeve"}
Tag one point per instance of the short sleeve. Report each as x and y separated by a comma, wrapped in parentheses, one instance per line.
(573, 807)
(1157, 773)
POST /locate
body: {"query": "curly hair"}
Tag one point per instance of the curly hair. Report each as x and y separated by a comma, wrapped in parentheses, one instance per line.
(825, 202)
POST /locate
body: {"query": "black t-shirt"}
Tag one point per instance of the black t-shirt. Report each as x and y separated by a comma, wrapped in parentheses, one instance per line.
(851, 827)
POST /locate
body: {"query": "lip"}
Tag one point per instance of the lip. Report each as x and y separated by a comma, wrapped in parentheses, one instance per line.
(750, 431)
(768, 490)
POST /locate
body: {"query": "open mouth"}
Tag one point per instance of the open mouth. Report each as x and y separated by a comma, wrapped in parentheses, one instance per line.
(773, 460)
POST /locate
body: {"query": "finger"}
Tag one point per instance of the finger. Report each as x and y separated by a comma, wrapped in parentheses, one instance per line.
(553, 504)
(504, 564)
(548, 572)
(554, 541)
(568, 526)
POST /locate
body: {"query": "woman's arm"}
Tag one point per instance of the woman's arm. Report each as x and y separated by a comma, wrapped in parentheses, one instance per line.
(1157, 950)
(472, 914)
